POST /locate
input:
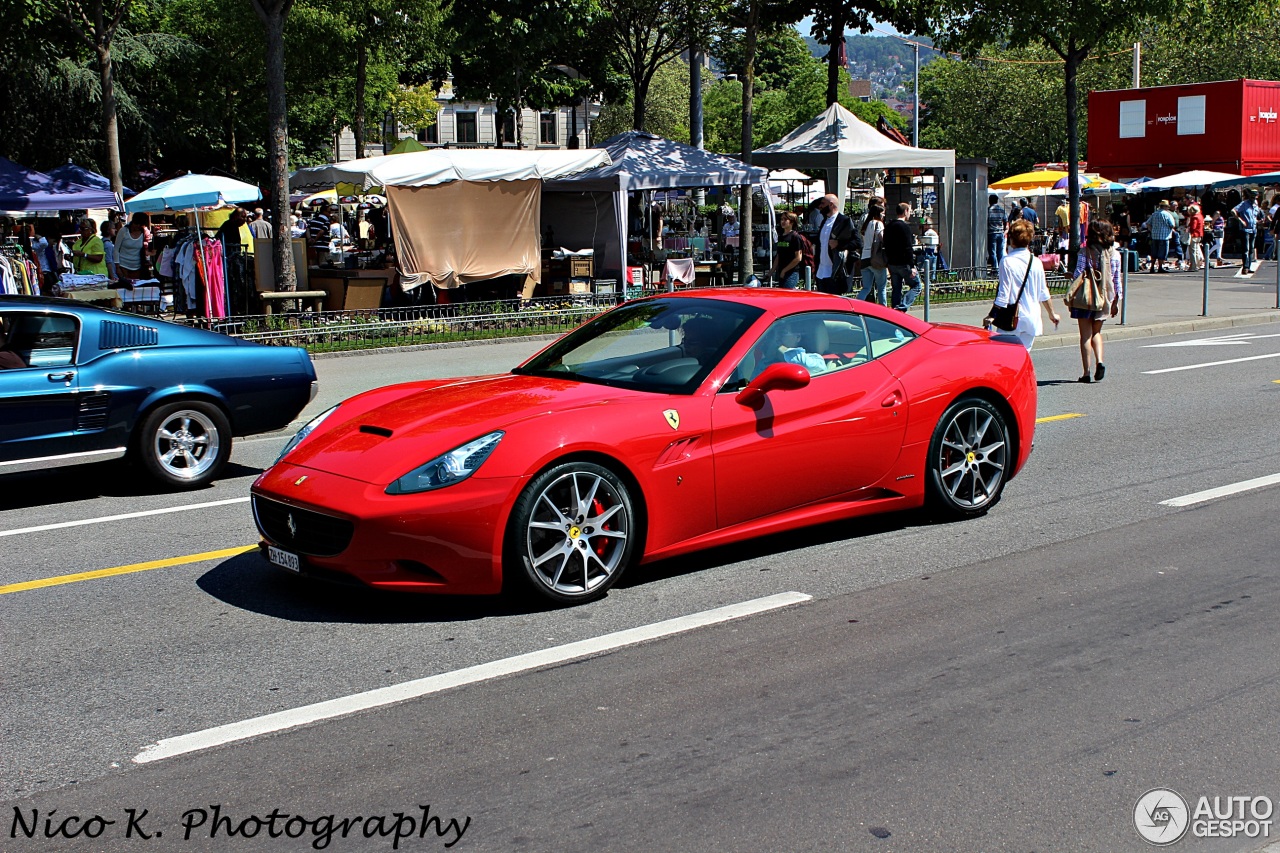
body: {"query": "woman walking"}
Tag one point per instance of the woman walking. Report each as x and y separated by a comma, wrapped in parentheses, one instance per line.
(1021, 266)
(874, 280)
(1098, 254)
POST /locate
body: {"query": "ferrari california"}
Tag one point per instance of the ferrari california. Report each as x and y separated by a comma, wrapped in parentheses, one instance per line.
(84, 384)
(665, 425)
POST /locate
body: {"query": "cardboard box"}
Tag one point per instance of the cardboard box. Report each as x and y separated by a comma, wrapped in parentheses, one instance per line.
(580, 285)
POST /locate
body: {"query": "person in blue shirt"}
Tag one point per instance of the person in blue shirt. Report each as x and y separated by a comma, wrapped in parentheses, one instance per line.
(1029, 213)
(997, 223)
(1246, 213)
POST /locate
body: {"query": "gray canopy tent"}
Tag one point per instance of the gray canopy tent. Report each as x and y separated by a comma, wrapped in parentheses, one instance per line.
(837, 141)
(590, 208)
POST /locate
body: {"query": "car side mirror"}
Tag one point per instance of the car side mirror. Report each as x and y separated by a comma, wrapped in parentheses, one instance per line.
(775, 377)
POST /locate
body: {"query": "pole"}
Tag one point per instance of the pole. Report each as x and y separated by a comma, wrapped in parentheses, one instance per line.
(1277, 247)
(1137, 65)
(915, 99)
(1204, 299)
(1124, 284)
(928, 264)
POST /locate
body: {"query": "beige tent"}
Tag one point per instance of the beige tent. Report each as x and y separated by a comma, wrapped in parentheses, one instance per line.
(460, 216)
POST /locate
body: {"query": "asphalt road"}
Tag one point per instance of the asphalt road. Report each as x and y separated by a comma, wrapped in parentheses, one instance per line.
(1009, 683)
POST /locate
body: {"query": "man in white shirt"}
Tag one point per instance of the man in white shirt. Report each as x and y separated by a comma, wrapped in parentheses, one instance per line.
(730, 228)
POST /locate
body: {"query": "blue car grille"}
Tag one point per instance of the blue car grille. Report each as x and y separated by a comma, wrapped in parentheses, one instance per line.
(92, 415)
(302, 530)
(116, 335)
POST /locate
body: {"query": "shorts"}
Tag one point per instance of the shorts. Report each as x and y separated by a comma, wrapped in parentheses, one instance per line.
(1159, 249)
(1082, 314)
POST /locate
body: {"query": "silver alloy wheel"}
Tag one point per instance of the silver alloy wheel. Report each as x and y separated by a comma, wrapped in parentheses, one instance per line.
(186, 444)
(971, 462)
(577, 533)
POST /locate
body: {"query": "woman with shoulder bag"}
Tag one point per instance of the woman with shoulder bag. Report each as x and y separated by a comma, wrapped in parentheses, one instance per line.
(1022, 290)
(875, 272)
(1095, 294)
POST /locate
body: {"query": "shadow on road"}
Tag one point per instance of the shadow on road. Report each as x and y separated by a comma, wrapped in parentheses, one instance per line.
(87, 482)
(250, 583)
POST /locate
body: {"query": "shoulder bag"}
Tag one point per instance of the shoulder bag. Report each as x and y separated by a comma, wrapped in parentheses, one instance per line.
(1005, 317)
(879, 257)
(1091, 291)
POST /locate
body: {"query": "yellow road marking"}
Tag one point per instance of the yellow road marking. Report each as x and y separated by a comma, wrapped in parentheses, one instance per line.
(125, 570)
(1065, 417)
(1276, 381)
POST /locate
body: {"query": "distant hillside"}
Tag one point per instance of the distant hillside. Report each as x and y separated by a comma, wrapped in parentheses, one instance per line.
(889, 63)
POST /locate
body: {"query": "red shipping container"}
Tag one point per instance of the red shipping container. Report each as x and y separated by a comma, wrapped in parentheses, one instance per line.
(1227, 126)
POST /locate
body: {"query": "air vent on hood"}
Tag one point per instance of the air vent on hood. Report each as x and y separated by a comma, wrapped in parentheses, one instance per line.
(375, 430)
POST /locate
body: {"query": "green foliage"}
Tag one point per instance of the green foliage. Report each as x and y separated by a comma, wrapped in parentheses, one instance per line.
(666, 108)
(1023, 120)
(414, 107)
(778, 55)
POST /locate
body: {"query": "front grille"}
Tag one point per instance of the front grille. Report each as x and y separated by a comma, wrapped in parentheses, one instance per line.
(93, 412)
(311, 533)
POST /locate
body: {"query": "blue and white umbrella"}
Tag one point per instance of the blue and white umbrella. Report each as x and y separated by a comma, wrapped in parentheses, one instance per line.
(191, 191)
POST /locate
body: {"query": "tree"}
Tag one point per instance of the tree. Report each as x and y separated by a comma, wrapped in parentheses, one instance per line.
(666, 111)
(525, 53)
(780, 55)
(831, 18)
(273, 13)
(1071, 29)
(643, 36)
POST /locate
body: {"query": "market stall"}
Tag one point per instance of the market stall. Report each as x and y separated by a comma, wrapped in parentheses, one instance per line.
(458, 216)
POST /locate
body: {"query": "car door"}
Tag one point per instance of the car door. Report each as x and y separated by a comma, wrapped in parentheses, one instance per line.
(39, 403)
(841, 432)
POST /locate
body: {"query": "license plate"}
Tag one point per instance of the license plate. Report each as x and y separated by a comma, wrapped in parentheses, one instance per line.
(283, 559)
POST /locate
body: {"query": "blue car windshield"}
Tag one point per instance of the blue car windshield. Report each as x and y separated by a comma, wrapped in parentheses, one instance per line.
(666, 345)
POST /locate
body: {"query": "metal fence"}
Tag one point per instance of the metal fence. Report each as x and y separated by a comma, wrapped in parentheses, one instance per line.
(337, 331)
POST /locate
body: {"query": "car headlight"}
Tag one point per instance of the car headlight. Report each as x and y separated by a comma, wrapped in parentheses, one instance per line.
(306, 430)
(453, 467)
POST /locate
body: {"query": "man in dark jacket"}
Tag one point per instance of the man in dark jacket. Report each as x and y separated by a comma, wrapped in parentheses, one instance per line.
(835, 238)
(899, 249)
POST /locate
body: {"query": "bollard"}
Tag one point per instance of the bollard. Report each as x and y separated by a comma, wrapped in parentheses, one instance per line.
(1124, 284)
(928, 263)
(1277, 246)
(1204, 298)
(808, 277)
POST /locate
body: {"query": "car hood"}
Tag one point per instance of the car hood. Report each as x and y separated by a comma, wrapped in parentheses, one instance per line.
(379, 436)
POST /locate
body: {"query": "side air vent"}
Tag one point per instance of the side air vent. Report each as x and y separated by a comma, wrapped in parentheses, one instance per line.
(677, 451)
(375, 430)
(92, 415)
(117, 335)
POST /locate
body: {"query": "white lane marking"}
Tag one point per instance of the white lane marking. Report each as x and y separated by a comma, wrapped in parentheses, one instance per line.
(1223, 491)
(1211, 364)
(61, 524)
(343, 706)
(1219, 341)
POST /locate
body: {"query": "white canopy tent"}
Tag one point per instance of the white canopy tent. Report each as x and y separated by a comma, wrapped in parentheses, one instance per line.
(459, 216)
(1194, 178)
(837, 141)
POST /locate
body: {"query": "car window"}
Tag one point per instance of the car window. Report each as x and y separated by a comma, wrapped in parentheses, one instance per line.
(820, 342)
(885, 336)
(40, 339)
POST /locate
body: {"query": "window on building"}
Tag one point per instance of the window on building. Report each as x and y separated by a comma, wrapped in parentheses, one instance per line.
(547, 129)
(430, 134)
(1191, 115)
(507, 129)
(466, 127)
(1133, 119)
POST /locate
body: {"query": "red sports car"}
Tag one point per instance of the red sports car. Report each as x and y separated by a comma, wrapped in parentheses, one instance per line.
(665, 425)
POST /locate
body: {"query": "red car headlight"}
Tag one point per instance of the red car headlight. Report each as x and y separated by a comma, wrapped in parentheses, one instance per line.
(453, 467)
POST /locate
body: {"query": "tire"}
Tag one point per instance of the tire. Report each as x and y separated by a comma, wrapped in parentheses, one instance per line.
(969, 459)
(184, 445)
(572, 533)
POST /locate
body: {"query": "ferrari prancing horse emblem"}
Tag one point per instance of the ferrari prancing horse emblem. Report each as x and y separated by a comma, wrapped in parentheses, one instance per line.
(673, 418)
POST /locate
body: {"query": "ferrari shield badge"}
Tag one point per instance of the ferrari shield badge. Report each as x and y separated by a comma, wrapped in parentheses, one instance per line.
(300, 480)
(673, 418)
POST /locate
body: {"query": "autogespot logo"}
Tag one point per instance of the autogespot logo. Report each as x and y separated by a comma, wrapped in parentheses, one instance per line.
(1161, 816)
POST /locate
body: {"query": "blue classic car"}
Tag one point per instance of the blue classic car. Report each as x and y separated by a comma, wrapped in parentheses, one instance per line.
(83, 384)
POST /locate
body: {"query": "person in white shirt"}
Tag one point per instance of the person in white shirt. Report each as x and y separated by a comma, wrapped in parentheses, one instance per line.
(1013, 271)
(874, 281)
(730, 228)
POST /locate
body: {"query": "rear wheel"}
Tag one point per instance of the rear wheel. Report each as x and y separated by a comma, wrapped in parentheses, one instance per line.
(186, 444)
(572, 533)
(969, 459)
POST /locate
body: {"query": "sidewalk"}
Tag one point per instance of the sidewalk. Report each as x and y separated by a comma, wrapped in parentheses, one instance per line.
(1162, 304)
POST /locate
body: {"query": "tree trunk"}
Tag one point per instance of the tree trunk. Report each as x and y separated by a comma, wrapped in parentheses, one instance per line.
(273, 14)
(110, 128)
(833, 61)
(695, 97)
(746, 251)
(639, 94)
(1072, 65)
(362, 77)
(232, 154)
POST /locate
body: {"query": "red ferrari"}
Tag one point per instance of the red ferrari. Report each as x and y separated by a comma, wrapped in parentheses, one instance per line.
(666, 425)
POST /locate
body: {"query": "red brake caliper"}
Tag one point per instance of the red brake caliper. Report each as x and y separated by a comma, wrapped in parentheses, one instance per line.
(601, 543)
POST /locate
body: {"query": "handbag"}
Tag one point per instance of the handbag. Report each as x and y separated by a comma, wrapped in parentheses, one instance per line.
(1005, 317)
(1090, 291)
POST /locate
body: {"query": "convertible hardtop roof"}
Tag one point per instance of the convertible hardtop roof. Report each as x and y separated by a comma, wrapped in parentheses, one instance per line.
(778, 302)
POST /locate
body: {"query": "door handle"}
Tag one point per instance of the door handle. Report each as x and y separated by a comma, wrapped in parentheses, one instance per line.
(62, 377)
(892, 400)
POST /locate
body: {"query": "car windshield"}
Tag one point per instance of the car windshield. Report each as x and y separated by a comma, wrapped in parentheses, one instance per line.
(663, 345)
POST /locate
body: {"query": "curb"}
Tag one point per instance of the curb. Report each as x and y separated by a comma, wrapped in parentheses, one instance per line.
(1199, 324)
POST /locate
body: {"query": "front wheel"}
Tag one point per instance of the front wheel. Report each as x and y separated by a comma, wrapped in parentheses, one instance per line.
(572, 533)
(185, 445)
(969, 459)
